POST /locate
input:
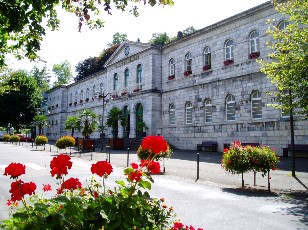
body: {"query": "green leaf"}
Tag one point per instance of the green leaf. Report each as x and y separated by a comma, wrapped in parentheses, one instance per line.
(145, 184)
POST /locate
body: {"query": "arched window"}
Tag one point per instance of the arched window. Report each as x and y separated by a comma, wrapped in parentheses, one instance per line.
(188, 112)
(171, 114)
(81, 95)
(256, 105)
(254, 42)
(171, 67)
(101, 89)
(88, 93)
(126, 76)
(188, 62)
(282, 25)
(93, 91)
(207, 58)
(71, 98)
(230, 108)
(139, 73)
(208, 110)
(75, 96)
(229, 50)
(115, 81)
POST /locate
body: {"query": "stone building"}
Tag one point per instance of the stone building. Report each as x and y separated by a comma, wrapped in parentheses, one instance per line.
(204, 86)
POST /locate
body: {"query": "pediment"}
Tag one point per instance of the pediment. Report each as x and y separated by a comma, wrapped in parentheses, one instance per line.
(125, 50)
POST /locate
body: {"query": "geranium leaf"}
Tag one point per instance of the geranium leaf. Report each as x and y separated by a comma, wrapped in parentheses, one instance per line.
(145, 184)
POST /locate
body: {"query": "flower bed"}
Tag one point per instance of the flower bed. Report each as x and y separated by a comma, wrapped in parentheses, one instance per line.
(91, 205)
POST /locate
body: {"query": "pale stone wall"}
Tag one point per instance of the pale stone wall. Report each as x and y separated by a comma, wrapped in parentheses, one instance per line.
(156, 92)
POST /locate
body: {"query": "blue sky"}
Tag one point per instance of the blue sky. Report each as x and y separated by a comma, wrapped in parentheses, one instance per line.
(68, 44)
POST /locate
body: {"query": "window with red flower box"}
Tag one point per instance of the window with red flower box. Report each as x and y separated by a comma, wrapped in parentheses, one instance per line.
(187, 73)
(228, 62)
(171, 77)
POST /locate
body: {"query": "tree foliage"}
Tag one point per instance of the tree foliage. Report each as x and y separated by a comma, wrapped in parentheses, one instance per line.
(118, 39)
(93, 65)
(159, 39)
(22, 21)
(40, 120)
(72, 123)
(289, 61)
(23, 96)
(188, 31)
(63, 72)
(41, 77)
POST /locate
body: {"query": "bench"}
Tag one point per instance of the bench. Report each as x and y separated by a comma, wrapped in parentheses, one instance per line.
(208, 146)
(298, 149)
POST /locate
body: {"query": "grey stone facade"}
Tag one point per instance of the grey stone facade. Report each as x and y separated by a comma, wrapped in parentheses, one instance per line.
(204, 89)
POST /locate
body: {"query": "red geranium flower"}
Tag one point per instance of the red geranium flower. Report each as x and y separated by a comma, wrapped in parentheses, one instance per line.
(152, 166)
(60, 164)
(15, 170)
(178, 225)
(46, 187)
(156, 144)
(135, 175)
(134, 165)
(101, 168)
(71, 183)
(19, 189)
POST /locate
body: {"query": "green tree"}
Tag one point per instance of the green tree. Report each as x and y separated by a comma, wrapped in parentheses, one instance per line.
(63, 72)
(288, 67)
(118, 39)
(41, 77)
(22, 96)
(115, 115)
(188, 31)
(159, 39)
(21, 22)
(87, 121)
(72, 123)
(40, 121)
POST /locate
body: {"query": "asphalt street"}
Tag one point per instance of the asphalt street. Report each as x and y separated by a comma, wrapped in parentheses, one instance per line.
(214, 201)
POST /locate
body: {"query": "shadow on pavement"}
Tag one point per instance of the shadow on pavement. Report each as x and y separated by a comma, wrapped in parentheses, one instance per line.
(298, 205)
(251, 192)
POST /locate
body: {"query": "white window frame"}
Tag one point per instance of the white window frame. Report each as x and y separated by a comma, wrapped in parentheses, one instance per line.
(101, 89)
(93, 92)
(254, 41)
(171, 67)
(88, 93)
(126, 77)
(208, 111)
(81, 95)
(71, 98)
(230, 108)
(188, 113)
(171, 114)
(115, 81)
(139, 73)
(76, 96)
(188, 62)
(229, 50)
(256, 105)
(207, 56)
(282, 25)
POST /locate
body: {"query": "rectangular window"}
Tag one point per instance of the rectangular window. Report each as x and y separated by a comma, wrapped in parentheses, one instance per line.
(231, 111)
(208, 113)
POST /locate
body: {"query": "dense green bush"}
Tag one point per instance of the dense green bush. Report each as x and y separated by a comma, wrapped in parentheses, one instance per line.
(14, 138)
(6, 137)
(66, 141)
(41, 140)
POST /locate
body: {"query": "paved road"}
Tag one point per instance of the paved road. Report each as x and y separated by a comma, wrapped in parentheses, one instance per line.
(215, 201)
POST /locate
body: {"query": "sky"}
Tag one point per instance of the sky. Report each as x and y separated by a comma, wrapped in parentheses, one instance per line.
(69, 44)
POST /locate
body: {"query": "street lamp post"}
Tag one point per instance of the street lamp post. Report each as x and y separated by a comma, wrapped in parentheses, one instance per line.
(103, 115)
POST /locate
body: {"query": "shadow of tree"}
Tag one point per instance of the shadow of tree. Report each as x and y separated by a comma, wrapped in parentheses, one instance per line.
(298, 205)
(251, 192)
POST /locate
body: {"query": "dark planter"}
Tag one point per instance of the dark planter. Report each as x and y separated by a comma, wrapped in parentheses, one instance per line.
(86, 145)
(116, 143)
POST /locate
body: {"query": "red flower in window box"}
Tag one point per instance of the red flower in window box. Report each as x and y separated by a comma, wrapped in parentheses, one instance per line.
(123, 93)
(87, 99)
(206, 67)
(114, 96)
(254, 55)
(187, 73)
(80, 101)
(136, 90)
(171, 77)
(228, 62)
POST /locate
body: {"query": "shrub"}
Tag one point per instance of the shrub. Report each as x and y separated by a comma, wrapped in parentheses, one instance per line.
(238, 159)
(41, 140)
(66, 141)
(6, 137)
(14, 138)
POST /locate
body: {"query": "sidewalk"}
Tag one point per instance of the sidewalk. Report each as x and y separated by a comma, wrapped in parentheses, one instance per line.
(183, 165)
